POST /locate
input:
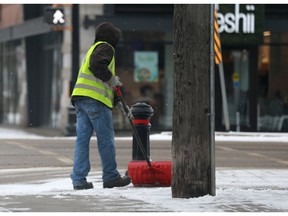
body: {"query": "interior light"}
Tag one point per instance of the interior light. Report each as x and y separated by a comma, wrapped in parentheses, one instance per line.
(266, 33)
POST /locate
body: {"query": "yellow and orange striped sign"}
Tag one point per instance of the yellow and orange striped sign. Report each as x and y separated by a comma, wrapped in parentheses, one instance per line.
(217, 43)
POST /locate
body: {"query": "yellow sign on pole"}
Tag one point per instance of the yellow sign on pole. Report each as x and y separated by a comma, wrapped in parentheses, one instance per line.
(217, 43)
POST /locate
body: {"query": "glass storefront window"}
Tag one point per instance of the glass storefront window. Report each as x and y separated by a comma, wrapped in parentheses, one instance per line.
(140, 63)
(52, 58)
(236, 64)
(272, 83)
(11, 82)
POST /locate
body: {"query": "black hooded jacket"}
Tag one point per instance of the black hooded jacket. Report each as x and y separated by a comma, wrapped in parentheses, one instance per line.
(103, 53)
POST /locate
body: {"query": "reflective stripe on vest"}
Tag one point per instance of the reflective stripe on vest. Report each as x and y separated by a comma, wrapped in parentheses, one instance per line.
(88, 85)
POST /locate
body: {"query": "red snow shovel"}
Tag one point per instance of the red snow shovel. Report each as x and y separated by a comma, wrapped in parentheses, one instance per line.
(146, 173)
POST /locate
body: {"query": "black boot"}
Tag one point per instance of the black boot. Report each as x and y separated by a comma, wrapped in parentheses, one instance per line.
(119, 182)
(86, 185)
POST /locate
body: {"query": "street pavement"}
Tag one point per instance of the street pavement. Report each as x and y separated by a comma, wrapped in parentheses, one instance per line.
(34, 177)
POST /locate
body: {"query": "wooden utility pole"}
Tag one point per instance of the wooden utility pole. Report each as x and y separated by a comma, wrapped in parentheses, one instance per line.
(193, 173)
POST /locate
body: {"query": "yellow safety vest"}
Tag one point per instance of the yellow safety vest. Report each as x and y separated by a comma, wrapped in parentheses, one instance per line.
(88, 85)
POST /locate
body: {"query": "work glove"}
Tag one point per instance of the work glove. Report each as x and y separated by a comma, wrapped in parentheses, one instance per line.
(126, 112)
(115, 81)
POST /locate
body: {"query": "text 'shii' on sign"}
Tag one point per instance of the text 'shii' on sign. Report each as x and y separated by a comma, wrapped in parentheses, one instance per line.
(54, 16)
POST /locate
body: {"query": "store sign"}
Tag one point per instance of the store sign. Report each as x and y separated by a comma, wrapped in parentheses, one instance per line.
(238, 22)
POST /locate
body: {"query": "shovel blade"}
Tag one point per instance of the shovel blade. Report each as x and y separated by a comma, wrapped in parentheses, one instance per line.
(158, 175)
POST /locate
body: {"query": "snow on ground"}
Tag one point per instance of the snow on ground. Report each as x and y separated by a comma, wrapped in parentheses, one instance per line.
(6, 133)
(16, 133)
(236, 189)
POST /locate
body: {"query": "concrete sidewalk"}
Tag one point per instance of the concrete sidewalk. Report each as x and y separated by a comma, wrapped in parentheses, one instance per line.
(236, 191)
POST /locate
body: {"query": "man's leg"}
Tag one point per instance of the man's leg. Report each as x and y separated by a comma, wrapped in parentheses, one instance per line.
(105, 139)
(84, 130)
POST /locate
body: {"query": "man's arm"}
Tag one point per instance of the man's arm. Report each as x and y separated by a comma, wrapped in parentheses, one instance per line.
(99, 61)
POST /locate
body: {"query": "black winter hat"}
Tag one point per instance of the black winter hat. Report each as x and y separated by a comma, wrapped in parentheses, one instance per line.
(107, 32)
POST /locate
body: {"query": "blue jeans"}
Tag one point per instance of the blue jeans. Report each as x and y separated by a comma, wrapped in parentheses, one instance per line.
(93, 115)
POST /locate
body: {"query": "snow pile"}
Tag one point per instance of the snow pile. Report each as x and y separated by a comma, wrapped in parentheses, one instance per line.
(6, 133)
